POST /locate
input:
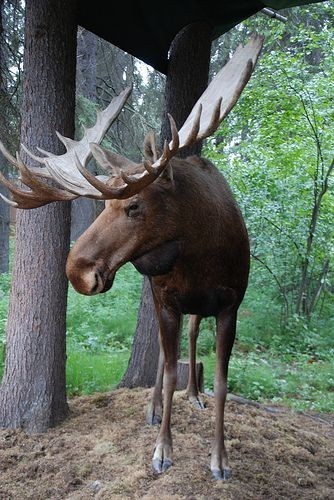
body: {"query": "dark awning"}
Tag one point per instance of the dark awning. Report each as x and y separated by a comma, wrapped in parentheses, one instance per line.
(146, 28)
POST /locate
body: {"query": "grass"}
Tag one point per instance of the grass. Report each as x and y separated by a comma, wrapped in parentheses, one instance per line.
(301, 385)
(99, 372)
(292, 367)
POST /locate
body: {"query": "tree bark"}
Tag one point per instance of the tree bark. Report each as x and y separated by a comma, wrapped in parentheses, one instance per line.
(33, 392)
(187, 78)
(4, 208)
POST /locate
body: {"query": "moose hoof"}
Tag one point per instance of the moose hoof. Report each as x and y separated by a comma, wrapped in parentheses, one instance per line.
(197, 402)
(153, 417)
(162, 457)
(222, 474)
(161, 465)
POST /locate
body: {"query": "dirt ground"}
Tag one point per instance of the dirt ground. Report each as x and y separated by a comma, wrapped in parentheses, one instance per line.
(103, 451)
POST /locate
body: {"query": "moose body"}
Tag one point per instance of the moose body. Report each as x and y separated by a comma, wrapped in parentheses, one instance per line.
(187, 235)
(175, 220)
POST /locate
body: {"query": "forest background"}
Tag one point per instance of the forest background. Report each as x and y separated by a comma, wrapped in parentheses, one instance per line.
(277, 151)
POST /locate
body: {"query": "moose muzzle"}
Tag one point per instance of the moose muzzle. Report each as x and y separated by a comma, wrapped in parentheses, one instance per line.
(89, 278)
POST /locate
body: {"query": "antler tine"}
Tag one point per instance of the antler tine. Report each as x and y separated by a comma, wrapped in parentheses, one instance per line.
(106, 192)
(41, 189)
(192, 136)
(7, 200)
(214, 122)
(148, 166)
(68, 143)
(28, 199)
(46, 153)
(175, 142)
(40, 172)
(32, 155)
(7, 154)
(130, 180)
(169, 150)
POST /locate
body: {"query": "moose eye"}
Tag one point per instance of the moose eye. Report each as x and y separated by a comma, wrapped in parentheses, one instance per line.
(132, 210)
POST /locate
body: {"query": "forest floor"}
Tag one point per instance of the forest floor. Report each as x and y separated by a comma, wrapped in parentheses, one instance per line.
(103, 451)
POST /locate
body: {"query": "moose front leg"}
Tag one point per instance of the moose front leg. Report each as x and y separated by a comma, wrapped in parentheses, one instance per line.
(226, 327)
(169, 322)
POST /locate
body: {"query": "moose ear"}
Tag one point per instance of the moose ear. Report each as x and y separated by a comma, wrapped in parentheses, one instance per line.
(111, 162)
(151, 151)
(167, 174)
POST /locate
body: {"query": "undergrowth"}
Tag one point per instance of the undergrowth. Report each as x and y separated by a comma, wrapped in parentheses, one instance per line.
(291, 365)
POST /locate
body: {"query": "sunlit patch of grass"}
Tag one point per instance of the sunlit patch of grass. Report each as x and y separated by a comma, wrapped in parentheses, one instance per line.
(106, 321)
(89, 372)
(303, 384)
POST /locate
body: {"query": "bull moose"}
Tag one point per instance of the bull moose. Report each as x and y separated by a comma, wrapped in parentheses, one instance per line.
(175, 220)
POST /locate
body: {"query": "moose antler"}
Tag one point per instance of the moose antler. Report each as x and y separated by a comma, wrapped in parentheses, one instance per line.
(69, 169)
(61, 168)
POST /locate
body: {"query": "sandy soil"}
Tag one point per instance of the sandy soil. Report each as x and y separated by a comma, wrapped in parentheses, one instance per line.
(103, 451)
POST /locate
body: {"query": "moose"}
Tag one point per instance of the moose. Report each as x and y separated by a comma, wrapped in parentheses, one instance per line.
(175, 220)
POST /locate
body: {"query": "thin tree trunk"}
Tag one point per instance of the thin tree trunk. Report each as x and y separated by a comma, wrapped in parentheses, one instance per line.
(33, 392)
(83, 209)
(143, 364)
(4, 208)
(4, 230)
(187, 78)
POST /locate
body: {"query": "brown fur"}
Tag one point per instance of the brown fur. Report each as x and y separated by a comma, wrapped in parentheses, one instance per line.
(188, 236)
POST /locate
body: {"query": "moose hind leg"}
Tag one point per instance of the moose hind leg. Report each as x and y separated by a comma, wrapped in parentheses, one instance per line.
(154, 411)
(226, 328)
(192, 387)
(169, 328)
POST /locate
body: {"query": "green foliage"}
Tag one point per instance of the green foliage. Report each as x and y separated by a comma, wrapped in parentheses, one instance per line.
(206, 340)
(303, 384)
(104, 323)
(278, 155)
(4, 300)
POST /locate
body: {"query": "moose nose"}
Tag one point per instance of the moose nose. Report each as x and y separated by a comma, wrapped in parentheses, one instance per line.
(87, 277)
(84, 275)
(97, 283)
(86, 281)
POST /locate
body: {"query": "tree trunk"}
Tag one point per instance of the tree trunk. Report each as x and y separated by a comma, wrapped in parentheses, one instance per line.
(83, 209)
(183, 375)
(143, 364)
(187, 78)
(33, 392)
(4, 228)
(4, 208)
